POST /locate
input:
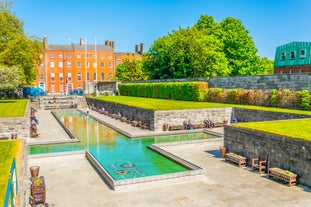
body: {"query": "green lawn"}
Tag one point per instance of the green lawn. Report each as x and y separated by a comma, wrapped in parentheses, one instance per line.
(298, 128)
(8, 150)
(162, 104)
(13, 108)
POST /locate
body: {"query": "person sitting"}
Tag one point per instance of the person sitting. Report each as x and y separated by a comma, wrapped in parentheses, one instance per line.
(102, 110)
(118, 116)
(189, 125)
(208, 123)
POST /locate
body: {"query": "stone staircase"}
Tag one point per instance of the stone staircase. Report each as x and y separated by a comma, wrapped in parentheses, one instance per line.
(81, 102)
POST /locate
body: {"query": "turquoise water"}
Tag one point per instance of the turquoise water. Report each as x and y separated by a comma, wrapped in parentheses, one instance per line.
(121, 156)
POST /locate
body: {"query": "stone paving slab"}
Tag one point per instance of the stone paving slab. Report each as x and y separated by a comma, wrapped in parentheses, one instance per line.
(71, 181)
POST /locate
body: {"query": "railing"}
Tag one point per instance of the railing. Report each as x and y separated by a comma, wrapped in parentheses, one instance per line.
(12, 188)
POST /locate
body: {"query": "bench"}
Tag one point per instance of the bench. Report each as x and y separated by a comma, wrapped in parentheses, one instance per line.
(235, 158)
(198, 125)
(176, 127)
(218, 124)
(284, 175)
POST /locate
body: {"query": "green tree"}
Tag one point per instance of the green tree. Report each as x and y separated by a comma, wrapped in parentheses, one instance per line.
(268, 66)
(16, 49)
(186, 53)
(239, 48)
(10, 79)
(130, 70)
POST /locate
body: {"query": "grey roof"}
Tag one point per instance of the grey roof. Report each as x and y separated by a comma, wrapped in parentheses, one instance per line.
(75, 46)
(92, 47)
(59, 47)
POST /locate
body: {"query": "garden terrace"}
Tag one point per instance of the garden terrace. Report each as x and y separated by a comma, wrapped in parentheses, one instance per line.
(287, 143)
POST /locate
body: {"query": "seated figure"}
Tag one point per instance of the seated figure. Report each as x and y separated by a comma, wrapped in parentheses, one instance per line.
(208, 123)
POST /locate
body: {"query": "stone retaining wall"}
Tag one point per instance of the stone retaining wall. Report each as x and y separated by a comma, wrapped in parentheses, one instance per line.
(284, 152)
(247, 115)
(156, 119)
(294, 82)
(16, 125)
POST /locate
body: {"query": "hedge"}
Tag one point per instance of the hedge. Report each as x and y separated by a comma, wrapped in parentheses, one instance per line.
(186, 91)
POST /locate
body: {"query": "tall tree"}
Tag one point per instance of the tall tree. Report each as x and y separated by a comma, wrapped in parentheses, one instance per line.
(130, 70)
(16, 49)
(268, 66)
(239, 48)
(186, 53)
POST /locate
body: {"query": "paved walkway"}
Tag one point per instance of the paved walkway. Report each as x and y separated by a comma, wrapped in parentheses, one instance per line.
(71, 180)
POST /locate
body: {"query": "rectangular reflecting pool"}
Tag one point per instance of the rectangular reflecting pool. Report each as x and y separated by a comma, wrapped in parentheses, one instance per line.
(120, 157)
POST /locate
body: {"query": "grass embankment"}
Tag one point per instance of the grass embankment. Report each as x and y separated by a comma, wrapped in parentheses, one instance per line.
(162, 104)
(13, 108)
(293, 128)
(9, 149)
(298, 128)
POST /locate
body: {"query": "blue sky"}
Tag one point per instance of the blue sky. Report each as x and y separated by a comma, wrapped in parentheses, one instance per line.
(271, 23)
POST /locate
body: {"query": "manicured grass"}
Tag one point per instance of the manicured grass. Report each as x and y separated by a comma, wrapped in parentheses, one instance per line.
(298, 128)
(9, 149)
(13, 108)
(162, 104)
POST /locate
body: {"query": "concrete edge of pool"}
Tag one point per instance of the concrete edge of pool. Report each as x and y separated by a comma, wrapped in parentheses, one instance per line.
(194, 173)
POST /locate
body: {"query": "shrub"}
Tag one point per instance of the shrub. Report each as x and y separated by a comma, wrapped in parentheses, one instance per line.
(304, 99)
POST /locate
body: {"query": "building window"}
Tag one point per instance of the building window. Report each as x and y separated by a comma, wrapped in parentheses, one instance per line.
(69, 64)
(292, 55)
(87, 56)
(41, 76)
(102, 64)
(301, 71)
(69, 77)
(94, 76)
(79, 64)
(281, 72)
(102, 76)
(291, 71)
(282, 56)
(52, 88)
(51, 55)
(79, 77)
(61, 88)
(302, 53)
(60, 64)
(95, 65)
(110, 65)
(78, 55)
(94, 56)
(52, 77)
(102, 56)
(87, 64)
(87, 76)
(41, 56)
(60, 55)
(61, 77)
(68, 55)
(41, 65)
(52, 64)
(110, 57)
(110, 75)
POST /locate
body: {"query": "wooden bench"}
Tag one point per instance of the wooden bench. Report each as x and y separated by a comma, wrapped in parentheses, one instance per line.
(238, 159)
(218, 124)
(176, 127)
(284, 175)
(198, 125)
(260, 163)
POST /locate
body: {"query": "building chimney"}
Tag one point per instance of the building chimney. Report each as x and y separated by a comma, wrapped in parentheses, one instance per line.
(45, 41)
(82, 41)
(142, 48)
(137, 48)
(107, 43)
(112, 44)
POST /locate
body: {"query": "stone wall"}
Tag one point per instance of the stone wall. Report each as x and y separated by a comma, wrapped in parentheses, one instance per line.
(284, 152)
(16, 125)
(156, 119)
(294, 82)
(247, 115)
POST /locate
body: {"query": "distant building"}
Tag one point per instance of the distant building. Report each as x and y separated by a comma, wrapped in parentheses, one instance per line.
(137, 55)
(67, 67)
(293, 58)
